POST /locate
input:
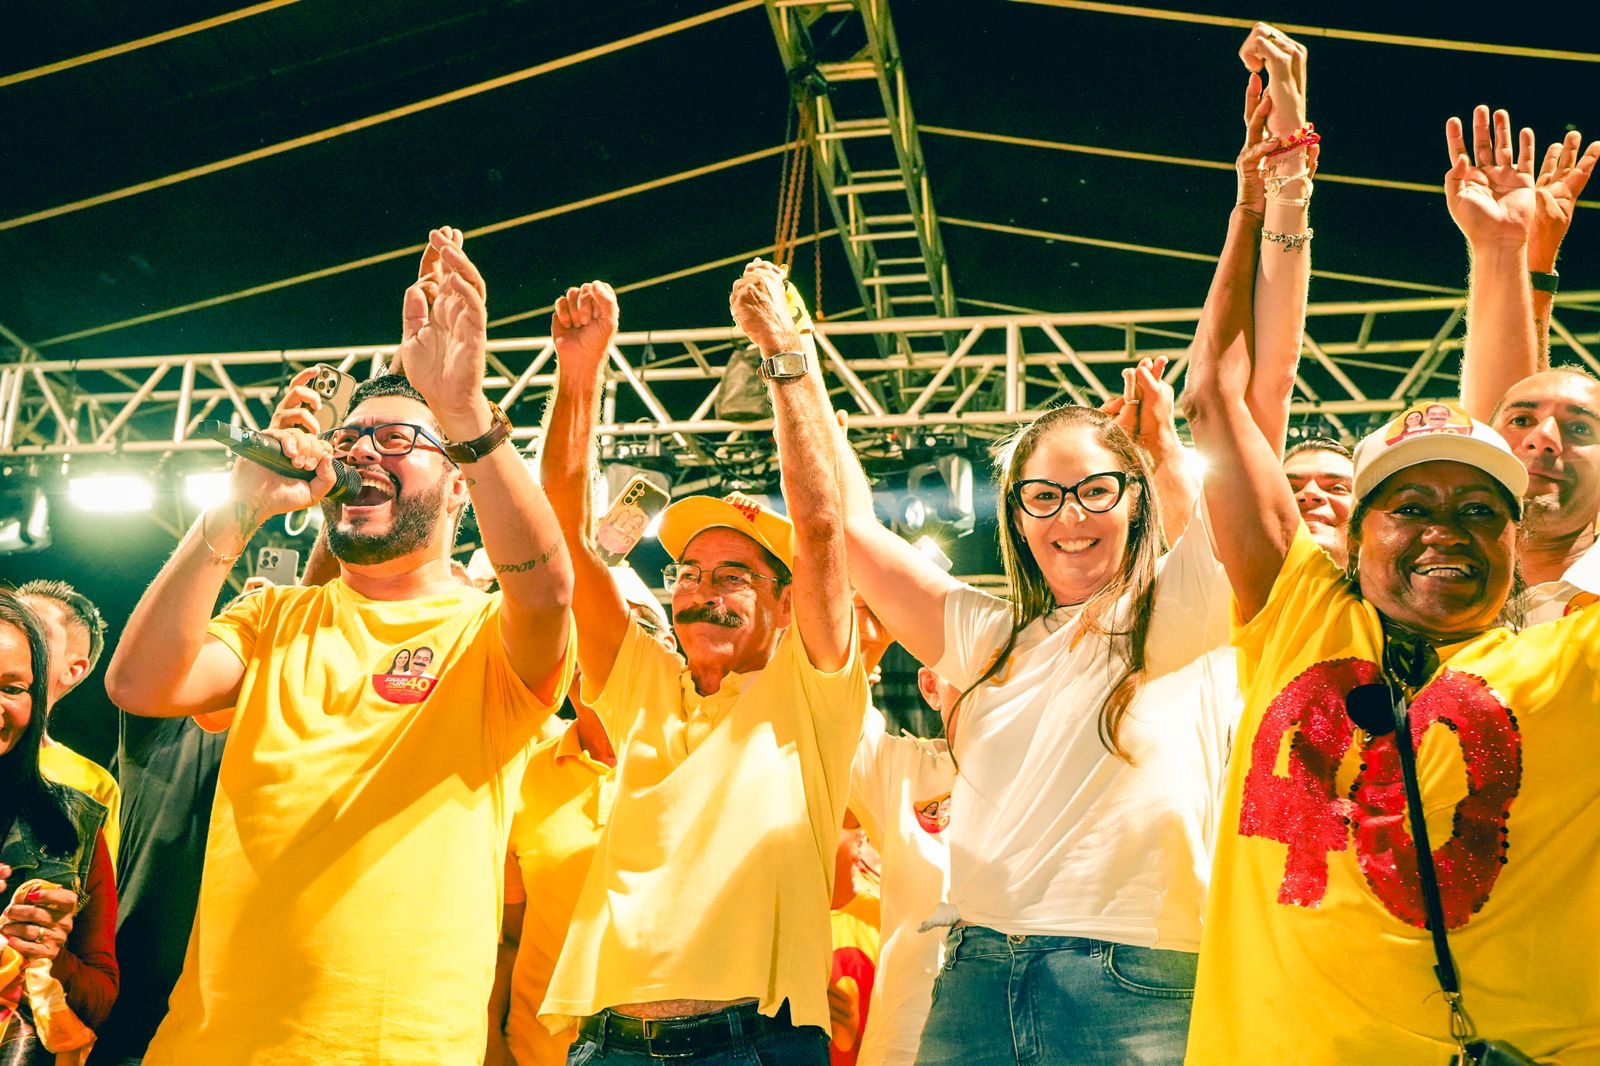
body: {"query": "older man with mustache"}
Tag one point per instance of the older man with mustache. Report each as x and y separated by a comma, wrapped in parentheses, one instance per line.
(702, 928)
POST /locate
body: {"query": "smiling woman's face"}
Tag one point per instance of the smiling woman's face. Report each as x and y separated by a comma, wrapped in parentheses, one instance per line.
(1437, 550)
(16, 677)
(1078, 551)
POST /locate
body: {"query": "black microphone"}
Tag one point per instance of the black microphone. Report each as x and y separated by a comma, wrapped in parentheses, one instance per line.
(268, 453)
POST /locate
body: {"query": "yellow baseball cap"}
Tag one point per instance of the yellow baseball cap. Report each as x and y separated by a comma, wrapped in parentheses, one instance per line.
(686, 518)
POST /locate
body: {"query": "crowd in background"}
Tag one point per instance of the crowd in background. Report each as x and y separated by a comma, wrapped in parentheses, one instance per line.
(1285, 762)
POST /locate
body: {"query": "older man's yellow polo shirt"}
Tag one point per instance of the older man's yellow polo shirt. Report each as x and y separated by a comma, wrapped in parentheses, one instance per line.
(566, 799)
(712, 879)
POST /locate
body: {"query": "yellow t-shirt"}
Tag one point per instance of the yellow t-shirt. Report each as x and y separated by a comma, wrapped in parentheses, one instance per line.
(566, 799)
(64, 766)
(713, 878)
(351, 898)
(1314, 949)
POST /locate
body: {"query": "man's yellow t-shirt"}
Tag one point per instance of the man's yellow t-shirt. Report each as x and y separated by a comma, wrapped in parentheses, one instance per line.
(713, 877)
(1314, 950)
(351, 898)
(64, 766)
(566, 800)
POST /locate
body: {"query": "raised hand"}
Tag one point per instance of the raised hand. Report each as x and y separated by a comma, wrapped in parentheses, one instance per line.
(444, 358)
(257, 492)
(298, 406)
(1561, 181)
(1145, 408)
(1490, 194)
(422, 292)
(582, 326)
(761, 310)
(1284, 60)
(1252, 184)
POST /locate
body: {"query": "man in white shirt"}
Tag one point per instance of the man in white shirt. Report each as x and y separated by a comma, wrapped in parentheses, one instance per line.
(1514, 223)
(1552, 421)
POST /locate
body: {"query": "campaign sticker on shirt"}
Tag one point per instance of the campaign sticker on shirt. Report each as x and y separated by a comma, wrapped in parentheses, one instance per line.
(1579, 602)
(933, 815)
(407, 679)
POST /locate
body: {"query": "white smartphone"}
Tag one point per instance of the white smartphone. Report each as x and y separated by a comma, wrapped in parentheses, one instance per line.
(281, 566)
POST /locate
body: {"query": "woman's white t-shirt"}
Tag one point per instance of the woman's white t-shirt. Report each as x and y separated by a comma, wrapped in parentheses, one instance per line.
(1052, 833)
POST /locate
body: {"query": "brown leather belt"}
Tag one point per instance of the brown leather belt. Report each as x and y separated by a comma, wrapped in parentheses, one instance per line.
(677, 1038)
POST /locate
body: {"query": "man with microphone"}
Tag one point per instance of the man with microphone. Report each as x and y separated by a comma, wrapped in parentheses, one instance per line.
(349, 905)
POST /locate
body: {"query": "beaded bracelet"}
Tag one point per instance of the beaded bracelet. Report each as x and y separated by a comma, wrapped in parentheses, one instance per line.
(1304, 136)
(1275, 183)
(1292, 242)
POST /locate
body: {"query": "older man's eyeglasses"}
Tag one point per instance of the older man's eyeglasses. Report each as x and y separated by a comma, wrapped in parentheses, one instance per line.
(389, 438)
(725, 579)
(1097, 493)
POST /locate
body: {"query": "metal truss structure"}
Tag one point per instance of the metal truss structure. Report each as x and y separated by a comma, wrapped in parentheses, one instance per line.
(862, 132)
(664, 388)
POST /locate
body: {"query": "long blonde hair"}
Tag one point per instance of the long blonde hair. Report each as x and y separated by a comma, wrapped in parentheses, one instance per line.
(1031, 596)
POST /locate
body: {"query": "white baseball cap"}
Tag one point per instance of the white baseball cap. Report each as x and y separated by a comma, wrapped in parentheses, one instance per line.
(1432, 430)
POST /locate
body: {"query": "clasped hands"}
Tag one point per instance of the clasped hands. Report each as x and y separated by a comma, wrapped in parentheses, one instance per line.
(37, 926)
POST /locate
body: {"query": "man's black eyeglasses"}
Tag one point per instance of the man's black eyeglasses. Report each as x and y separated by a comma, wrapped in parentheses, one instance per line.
(389, 438)
(1043, 498)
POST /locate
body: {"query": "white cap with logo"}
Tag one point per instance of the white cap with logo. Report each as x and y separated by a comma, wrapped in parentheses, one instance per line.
(1433, 430)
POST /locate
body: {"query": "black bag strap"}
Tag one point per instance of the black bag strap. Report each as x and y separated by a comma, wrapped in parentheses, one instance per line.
(1461, 1027)
(1445, 970)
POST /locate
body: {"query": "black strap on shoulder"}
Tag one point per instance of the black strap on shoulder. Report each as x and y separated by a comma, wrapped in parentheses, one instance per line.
(1445, 971)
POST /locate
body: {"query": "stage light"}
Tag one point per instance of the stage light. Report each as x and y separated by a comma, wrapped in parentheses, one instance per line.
(206, 489)
(24, 516)
(910, 515)
(110, 493)
(1193, 461)
(945, 488)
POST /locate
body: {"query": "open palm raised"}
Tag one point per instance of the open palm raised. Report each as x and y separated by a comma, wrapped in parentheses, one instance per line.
(1491, 194)
(444, 351)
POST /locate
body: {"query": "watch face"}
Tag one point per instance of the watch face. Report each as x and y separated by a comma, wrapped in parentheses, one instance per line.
(785, 365)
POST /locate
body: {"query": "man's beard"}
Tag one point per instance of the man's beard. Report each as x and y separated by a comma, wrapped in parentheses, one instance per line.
(414, 518)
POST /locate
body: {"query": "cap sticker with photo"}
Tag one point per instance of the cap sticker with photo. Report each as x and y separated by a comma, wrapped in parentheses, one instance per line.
(1435, 431)
(1433, 416)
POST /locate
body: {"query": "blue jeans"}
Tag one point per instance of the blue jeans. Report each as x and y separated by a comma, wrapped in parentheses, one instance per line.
(1041, 1000)
(804, 1045)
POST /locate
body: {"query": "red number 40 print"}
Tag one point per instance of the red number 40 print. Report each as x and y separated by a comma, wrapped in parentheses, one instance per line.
(1304, 811)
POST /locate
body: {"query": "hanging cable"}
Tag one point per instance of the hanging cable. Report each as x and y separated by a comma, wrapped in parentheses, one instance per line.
(816, 243)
